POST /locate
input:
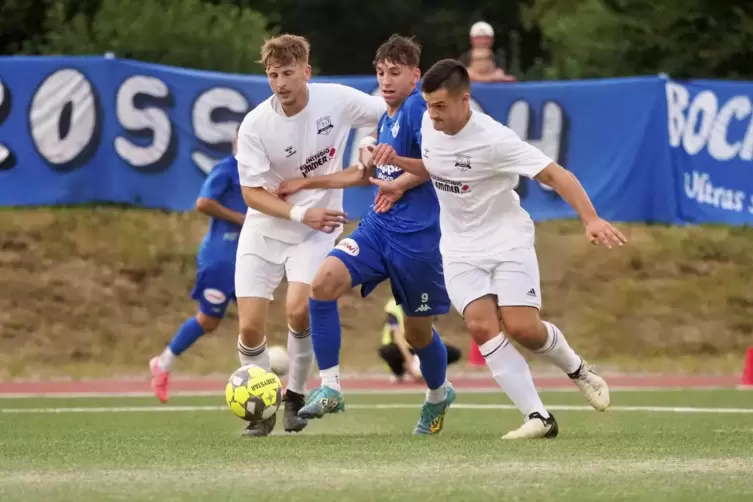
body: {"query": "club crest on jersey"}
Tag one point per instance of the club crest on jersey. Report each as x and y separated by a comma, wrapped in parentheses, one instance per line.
(317, 160)
(324, 126)
(349, 246)
(396, 128)
(463, 162)
(450, 186)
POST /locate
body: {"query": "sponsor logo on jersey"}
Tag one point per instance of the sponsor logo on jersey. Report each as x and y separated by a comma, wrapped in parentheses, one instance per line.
(316, 161)
(388, 172)
(289, 151)
(450, 186)
(214, 296)
(349, 246)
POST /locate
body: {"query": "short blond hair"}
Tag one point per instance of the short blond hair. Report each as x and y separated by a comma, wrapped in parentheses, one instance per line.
(285, 50)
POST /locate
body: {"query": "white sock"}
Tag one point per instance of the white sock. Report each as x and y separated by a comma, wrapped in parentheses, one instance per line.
(166, 359)
(254, 355)
(331, 378)
(437, 395)
(511, 372)
(301, 356)
(558, 352)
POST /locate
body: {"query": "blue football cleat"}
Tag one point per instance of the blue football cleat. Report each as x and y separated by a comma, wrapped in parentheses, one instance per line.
(322, 401)
(432, 414)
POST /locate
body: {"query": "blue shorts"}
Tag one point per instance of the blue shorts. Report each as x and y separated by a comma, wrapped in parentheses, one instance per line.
(215, 288)
(417, 284)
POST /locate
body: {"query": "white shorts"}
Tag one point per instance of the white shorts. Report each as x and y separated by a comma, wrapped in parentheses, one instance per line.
(512, 276)
(262, 262)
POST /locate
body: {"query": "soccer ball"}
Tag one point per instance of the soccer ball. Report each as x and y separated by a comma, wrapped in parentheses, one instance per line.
(253, 393)
(278, 360)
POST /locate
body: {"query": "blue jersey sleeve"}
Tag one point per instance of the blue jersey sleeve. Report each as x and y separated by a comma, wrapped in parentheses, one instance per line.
(217, 182)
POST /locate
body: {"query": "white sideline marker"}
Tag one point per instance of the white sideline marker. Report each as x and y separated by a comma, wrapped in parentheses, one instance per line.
(354, 392)
(162, 409)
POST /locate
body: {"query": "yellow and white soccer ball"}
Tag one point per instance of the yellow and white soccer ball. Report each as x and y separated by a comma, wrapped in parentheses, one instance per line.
(253, 393)
(278, 360)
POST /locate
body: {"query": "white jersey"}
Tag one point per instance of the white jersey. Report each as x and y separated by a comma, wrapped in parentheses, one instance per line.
(474, 174)
(273, 147)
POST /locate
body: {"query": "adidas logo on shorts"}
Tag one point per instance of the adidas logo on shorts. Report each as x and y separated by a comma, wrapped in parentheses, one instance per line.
(531, 292)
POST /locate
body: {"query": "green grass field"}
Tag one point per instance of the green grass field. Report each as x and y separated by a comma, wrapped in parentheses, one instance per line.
(651, 446)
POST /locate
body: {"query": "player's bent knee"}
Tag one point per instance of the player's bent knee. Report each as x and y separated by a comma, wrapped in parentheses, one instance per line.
(207, 323)
(481, 330)
(331, 281)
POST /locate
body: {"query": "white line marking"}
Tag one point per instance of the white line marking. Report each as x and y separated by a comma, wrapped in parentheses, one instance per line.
(355, 392)
(555, 407)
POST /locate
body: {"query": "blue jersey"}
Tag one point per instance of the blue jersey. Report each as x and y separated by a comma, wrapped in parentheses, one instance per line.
(401, 245)
(412, 224)
(221, 241)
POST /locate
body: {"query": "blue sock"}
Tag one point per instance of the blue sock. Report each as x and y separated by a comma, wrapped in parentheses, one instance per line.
(325, 332)
(186, 336)
(433, 359)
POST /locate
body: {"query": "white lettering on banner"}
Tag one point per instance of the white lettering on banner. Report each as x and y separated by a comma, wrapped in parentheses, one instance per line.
(698, 187)
(7, 159)
(145, 121)
(215, 134)
(63, 119)
(702, 122)
(552, 126)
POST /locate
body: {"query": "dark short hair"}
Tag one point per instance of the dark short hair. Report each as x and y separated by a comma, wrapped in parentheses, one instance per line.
(448, 74)
(399, 50)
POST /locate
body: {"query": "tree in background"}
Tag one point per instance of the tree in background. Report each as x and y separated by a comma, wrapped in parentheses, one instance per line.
(554, 39)
(684, 38)
(344, 34)
(186, 33)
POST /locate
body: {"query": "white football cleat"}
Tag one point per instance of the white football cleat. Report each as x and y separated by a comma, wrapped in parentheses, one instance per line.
(535, 427)
(593, 387)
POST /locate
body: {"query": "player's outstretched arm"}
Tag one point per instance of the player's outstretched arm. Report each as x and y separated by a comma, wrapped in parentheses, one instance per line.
(569, 188)
(350, 177)
(326, 220)
(212, 208)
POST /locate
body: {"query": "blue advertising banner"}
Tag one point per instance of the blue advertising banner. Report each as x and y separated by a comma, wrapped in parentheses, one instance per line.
(710, 127)
(78, 130)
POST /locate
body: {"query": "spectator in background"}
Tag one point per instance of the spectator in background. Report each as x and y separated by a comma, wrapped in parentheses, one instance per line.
(396, 352)
(482, 64)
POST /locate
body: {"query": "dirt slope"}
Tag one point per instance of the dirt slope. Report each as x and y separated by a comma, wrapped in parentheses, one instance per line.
(98, 291)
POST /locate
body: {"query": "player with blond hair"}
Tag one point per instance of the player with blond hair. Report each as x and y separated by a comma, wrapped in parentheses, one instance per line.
(301, 131)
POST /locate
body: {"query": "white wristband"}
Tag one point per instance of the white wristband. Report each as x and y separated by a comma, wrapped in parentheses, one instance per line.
(297, 213)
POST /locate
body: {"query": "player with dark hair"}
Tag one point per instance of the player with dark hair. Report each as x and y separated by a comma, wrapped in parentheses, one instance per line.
(397, 240)
(490, 263)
